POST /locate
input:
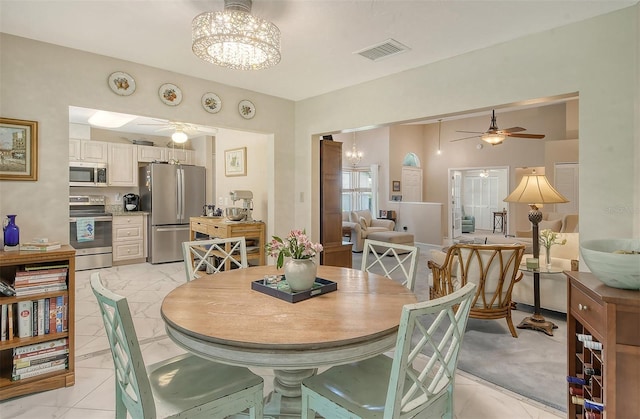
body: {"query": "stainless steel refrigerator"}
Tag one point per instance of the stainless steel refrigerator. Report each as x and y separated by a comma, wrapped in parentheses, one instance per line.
(172, 193)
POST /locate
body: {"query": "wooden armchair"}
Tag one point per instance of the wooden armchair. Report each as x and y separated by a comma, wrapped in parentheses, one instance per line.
(494, 270)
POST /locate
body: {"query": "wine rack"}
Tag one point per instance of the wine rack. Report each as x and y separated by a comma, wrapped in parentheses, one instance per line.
(585, 387)
(603, 352)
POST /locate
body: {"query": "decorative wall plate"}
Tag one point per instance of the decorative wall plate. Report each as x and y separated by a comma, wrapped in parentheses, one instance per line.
(211, 102)
(121, 83)
(170, 94)
(246, 109)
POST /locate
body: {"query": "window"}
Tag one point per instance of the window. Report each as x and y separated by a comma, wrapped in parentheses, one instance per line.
(356, 189)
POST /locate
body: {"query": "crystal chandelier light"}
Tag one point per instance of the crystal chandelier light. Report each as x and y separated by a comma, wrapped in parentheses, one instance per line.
(234, 38)
(354, 156)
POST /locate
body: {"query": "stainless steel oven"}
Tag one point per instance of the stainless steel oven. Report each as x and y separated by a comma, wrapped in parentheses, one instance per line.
(93, 250)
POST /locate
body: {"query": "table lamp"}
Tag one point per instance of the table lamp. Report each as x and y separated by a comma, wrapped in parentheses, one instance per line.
(536, 190)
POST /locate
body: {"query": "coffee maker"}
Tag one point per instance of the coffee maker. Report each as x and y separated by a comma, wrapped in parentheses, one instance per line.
(131, 202)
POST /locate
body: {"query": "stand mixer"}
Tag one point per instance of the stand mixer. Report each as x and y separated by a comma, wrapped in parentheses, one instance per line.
(247, 204)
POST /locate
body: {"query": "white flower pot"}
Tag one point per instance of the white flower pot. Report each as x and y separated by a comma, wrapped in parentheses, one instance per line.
(300, 274)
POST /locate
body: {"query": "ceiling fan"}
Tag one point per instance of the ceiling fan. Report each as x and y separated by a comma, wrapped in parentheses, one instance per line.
(495, 136)
(181, 130)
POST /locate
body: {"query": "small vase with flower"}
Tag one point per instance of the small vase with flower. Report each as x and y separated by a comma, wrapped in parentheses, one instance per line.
(547, 239)
(300, 271)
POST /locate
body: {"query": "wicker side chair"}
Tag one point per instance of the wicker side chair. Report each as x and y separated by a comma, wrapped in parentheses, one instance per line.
(494, 270)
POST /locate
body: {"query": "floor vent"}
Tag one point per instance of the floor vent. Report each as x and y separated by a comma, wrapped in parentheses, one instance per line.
(382, 50)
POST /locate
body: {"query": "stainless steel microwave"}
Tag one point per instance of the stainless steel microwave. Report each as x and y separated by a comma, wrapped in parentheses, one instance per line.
(87, 174)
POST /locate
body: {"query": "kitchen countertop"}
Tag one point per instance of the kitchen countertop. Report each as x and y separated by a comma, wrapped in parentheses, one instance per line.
(117, 210)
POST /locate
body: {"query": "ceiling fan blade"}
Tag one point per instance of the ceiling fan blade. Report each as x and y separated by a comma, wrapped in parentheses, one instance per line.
(533, 136)
(472, 132)
(513, 129)
(465, 138)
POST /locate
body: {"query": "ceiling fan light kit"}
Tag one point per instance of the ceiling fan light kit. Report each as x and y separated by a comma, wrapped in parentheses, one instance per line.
(236, 39)
(495, 135)
(493, 139)
(179, 137)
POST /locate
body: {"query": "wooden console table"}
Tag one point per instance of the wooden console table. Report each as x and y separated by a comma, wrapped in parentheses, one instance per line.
(222, 228)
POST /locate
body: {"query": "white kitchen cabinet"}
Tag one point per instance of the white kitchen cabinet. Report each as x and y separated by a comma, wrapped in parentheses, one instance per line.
(129, 242)
(148, 154)
(123, 165)
(88, 151)
(182, 156)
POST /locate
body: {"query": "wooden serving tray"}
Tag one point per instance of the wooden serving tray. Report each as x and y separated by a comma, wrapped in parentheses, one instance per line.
(282, 291)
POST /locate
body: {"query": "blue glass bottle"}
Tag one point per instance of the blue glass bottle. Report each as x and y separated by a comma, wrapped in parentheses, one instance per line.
(11, 231)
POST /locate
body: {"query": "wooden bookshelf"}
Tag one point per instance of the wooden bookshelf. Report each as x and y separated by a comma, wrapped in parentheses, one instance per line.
(610, 319)
(10, 262)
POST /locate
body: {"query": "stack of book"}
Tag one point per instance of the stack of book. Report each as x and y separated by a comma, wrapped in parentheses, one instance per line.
(40, 358)
(37, 281)
(37, 246)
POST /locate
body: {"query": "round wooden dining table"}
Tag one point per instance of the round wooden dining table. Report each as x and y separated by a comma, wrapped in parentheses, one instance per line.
(219, 317)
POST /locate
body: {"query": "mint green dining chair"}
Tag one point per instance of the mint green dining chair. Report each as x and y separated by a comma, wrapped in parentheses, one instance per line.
(183, 386)
(212, 254)
(403, 267)
(409, 385)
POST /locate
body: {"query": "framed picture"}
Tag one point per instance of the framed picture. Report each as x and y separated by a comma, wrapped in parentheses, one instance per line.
(235, 162)
(396, 186)
(396, 198)
(18, 149)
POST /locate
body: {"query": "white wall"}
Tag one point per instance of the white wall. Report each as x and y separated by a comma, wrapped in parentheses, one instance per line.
(39, 82)
(422, 219)
(257, 166)
(574, 58)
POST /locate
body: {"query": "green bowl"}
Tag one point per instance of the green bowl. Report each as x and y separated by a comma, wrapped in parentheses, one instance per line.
(614, 269)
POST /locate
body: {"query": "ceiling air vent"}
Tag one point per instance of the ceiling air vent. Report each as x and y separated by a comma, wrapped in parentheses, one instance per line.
(382, 50)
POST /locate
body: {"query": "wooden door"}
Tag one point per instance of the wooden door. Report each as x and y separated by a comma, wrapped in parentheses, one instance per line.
(335, 253)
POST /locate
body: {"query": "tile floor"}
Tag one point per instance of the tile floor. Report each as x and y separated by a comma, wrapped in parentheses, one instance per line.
(145, 286)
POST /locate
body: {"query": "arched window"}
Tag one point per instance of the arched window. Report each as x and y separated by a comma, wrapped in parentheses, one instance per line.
(411, 159)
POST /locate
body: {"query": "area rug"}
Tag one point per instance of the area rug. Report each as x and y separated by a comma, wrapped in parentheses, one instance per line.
(533, 365)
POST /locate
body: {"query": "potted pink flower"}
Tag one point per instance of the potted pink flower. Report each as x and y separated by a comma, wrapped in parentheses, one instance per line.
(300, 271)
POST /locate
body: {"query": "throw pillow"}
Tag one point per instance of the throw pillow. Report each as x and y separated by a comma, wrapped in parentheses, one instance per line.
(363, 223)
(553, 225)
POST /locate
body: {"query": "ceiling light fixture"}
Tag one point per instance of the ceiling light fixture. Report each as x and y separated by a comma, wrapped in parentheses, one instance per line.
(484, 173)
(234, 38)
(354, 156)
(104, 119)
(493, 138)
(179, 136)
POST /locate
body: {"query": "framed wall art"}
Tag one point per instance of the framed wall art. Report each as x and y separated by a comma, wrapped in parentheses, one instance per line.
(235, 162)
(18, 149)
(396, 186)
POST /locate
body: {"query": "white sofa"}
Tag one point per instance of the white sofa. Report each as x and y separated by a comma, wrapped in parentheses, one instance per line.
(362, 224)
(553, 287)
(554, 221)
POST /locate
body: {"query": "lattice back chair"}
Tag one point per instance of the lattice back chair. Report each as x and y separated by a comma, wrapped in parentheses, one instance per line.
(408, 385)
(376, 258)
(213, 255)
(493, 268)
(184, 386)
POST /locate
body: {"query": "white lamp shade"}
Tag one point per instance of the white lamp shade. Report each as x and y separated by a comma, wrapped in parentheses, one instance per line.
(535, 189)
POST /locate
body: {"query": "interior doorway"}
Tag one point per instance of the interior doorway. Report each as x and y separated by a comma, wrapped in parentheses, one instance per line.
(478, 192)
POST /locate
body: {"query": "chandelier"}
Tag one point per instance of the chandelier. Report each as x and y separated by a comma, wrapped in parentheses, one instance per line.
(234, 38)
(354, 156)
